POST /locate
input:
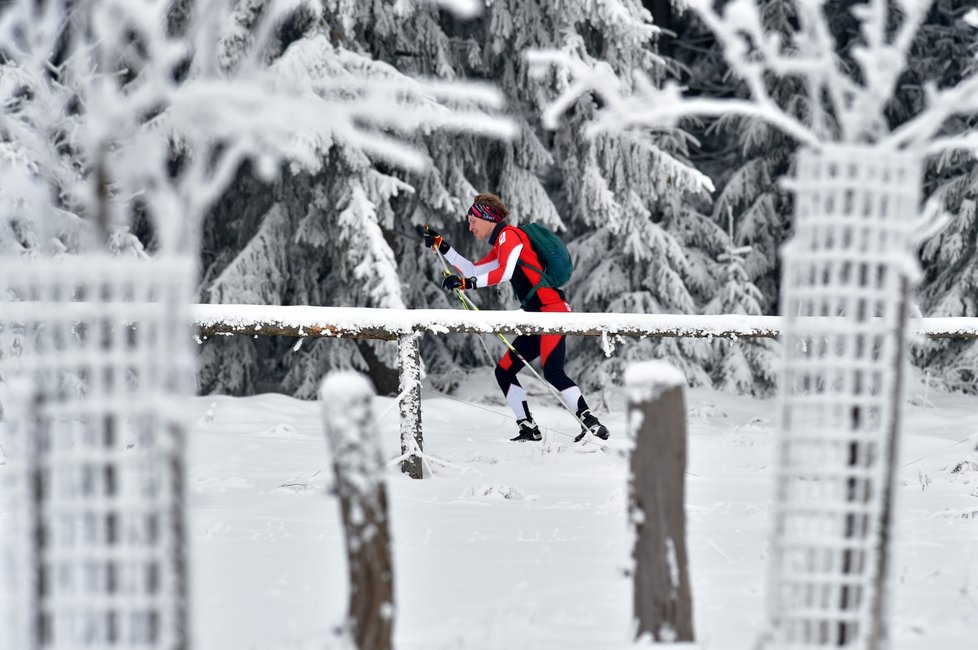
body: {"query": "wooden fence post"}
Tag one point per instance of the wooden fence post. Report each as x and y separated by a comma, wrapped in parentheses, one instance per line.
(657, 425)
(347, 410)
(409, 358)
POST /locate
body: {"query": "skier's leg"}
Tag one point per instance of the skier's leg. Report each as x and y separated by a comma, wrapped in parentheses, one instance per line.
(506, 371)
(553, 351)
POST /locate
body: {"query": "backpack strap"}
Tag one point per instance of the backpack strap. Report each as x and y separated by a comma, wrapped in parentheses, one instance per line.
(544, 280)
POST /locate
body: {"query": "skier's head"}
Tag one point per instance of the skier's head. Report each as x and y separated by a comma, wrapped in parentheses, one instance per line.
(487, 210)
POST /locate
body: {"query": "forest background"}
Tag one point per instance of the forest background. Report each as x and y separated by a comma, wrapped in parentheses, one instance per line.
(654, 219)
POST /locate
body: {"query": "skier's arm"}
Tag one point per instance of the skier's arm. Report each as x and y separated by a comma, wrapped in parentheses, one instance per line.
(467, 268)
(435, 241)
(506, 253)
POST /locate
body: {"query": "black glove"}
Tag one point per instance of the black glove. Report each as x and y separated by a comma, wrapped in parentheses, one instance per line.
(432, 239)
(453, 282)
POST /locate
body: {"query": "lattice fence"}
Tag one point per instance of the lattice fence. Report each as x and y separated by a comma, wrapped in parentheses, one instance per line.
(850, 263)
(97, 357)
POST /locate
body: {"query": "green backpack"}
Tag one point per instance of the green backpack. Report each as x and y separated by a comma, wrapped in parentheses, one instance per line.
(553, 255)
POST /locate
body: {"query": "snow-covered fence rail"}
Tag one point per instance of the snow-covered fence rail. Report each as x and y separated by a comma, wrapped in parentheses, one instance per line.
(403, 326)
(390, 324)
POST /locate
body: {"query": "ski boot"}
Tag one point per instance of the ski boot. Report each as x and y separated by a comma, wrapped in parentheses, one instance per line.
(529, 431)
(591, 425)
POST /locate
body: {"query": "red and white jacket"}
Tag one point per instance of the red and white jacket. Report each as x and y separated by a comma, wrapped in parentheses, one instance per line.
(509, 245)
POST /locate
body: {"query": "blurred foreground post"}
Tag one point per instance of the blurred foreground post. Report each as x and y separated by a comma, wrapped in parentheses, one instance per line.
(657, 495)
(96, 351)
(347, 410)
(849, 263)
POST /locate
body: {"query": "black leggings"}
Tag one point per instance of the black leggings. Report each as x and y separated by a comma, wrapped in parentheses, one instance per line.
(553, 349)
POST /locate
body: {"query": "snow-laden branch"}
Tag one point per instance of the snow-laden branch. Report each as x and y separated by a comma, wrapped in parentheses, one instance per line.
(142, 107)
(647, 104)
(918, 132)
(465, 9)
(846, 103)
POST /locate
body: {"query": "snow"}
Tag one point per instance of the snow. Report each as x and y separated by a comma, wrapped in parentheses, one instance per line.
(653, 373)
(527, 546)
(465, 9)
(971, 17)
(347, 410)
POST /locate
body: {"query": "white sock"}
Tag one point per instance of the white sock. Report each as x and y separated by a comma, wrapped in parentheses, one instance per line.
(571, 396)
(516, 398)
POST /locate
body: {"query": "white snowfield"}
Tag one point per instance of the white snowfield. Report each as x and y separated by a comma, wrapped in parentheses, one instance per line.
(524, 546)
(350, 321)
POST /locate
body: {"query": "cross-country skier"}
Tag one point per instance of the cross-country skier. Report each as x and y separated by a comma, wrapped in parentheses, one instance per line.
(487, 222)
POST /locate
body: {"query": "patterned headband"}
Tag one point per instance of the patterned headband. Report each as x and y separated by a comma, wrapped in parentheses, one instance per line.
(487, 212)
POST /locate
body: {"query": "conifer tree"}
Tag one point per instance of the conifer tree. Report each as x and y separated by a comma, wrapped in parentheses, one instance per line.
(945, 52)
(746, 366)
(336, 235)
(640, 242)
(746, 156)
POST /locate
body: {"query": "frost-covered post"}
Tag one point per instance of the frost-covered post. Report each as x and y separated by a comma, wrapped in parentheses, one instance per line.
(846, 280)
(412, 442)
(663, 601)
(347, 399)
(101, 363)
(845, 292)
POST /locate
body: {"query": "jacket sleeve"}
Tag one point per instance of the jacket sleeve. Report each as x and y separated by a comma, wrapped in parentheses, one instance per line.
(467, 268)
(506, 253)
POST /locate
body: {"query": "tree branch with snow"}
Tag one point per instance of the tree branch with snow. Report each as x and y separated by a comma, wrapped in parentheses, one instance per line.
(847, 100)
(122, 106)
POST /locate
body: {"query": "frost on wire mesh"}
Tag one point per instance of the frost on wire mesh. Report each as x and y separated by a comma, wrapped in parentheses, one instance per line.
(843, 301)
(96, 357)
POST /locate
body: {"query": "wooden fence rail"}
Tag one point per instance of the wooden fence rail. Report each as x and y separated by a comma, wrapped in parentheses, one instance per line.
(404, 325)
(389, 324)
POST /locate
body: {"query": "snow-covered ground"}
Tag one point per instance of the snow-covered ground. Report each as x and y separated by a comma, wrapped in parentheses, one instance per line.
(525, 545)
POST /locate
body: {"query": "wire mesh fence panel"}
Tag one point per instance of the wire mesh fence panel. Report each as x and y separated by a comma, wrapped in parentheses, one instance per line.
(95, 359)
(844, 294)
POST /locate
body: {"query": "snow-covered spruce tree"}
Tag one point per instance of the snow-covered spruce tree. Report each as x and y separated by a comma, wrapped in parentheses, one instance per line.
(946, 51)
(645, 241)
(744, 155)
(629, 205)
(625, 196)
(324, 233)
(749, 366)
